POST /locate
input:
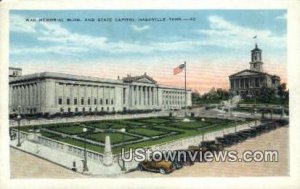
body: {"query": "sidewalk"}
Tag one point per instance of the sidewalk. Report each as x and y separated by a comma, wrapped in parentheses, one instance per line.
(66, 160)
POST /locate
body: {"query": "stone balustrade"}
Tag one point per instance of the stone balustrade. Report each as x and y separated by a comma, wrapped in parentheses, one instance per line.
(65, 147)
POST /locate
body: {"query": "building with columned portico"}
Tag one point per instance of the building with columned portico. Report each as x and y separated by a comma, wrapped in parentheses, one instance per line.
(249, 82)
(51, 93)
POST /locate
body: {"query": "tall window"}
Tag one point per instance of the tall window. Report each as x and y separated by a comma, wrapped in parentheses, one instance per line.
(89, 101)
(106, 101)
(68, 101)
(124, 95)
(60, 101)
(101, 101)
(112, 101)
(75, 101)
(95, 101)
(82, 101)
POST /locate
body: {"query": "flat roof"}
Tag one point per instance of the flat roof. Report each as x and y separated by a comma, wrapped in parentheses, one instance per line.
(63, 76)
(14, 68)
(54, 75)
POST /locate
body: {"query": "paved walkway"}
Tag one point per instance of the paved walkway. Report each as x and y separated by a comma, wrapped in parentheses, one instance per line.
(96, 168)
(24, 165)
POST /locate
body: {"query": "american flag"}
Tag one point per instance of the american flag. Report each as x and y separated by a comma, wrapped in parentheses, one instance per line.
(178, 69)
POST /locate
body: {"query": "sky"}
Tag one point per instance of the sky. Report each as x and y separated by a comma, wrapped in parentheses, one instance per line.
(214, 43)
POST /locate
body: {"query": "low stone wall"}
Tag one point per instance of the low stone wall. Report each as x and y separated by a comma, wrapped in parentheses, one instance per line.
(60, 146)
(43, 121)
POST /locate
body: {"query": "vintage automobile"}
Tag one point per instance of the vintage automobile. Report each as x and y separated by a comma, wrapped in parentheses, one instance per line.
(185, 161)
(163, 166)
(224, 142)
(211, 146)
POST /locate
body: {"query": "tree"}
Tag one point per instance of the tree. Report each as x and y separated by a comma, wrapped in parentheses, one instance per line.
(281, 91)
(195, 97)
(266, 94)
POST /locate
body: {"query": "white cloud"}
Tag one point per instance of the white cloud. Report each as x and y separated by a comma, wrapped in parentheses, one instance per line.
(18, 24)
(140, 28)
(223, 33)
(282, 17)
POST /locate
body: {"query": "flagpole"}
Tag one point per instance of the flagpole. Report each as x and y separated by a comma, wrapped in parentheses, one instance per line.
(185, 95)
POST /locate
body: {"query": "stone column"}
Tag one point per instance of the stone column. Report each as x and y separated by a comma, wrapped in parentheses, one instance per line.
(130, 96)
(151, 93)
(15, 99)
(37, 95)
(249, 83)
(134, 94)
(146, 96)
(154, 96)
(29, 94)
(259, 82)
(72, 94)
(243, 83)
(140, 95)
(109, 96)
(34, 94)
(24, 97)
(137, 95)
(143, 95)
(63, 94)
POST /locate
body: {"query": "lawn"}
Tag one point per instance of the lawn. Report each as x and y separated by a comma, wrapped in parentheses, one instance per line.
(71, 130)
(115, 138)
(146, 132)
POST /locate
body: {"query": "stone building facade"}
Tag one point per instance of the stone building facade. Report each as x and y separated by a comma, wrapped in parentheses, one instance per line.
(51, 93)
(249, 82)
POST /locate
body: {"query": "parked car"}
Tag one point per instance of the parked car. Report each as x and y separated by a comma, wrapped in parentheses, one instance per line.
(198, 150)
(249, 133)
(185, 161)
(225, 142)
(163, 166)
(211, 146)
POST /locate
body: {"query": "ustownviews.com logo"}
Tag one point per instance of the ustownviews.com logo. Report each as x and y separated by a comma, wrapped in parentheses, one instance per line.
(199, 155)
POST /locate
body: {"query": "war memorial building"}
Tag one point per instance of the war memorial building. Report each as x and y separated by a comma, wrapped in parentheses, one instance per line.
(249, 82)
(51, 93)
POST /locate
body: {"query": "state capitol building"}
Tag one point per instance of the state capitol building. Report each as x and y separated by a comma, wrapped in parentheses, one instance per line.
(51, 93)
(249, 82)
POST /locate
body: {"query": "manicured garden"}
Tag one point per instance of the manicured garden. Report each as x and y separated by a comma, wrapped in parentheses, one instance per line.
(141, 132)
(114, 137)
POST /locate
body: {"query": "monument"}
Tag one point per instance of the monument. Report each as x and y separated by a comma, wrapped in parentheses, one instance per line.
(108, 156)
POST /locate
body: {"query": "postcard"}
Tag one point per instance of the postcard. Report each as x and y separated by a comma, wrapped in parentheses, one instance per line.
(149, 96)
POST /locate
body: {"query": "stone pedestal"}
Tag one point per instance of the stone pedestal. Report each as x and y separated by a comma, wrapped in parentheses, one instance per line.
(108, 156)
